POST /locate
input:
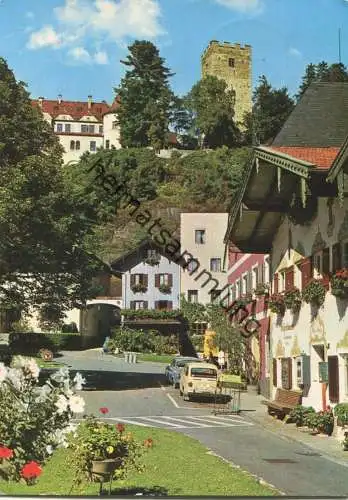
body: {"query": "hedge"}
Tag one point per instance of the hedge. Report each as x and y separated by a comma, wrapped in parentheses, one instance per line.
(150, 341)
(31, 343)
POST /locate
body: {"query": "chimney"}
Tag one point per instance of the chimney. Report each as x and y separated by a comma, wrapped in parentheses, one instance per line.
(60, 97)
(89, 102)
(40, 100)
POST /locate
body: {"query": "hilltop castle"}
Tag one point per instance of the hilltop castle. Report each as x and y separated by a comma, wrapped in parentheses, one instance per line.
(231, 62)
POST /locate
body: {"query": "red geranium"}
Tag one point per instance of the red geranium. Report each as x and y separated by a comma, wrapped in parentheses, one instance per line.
(31, 470)
(120, 427)
(5, 452)
(104, 410)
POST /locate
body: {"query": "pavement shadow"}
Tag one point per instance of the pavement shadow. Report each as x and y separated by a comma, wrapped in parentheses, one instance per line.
(113, 381)
(157, 491)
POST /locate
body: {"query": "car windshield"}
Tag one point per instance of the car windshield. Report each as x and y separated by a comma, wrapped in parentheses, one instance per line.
(182, 363)
(203, 372)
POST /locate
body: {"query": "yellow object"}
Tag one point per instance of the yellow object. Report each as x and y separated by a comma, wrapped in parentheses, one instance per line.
(110, 449)
(209, 344)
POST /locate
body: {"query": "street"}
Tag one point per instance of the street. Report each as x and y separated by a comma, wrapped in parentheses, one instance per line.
(137, 394)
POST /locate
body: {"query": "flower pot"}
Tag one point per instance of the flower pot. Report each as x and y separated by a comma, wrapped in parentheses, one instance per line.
(328, 429)
(104, 467)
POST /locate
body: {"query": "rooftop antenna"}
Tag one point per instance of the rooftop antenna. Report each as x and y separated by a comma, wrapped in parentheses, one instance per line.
(339, 45)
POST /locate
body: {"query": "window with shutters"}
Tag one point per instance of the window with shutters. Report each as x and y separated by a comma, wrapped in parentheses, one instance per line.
(244, 284)
(215, 265)
(318, 265)
(139, 279)
(282, 281)
(336, 257)
(238, 288)
(275, 368)
(276, 283)
(255, 278)
(289, 278)
(163, 305)
(306, 271)
(192, 296)
(344, 253)
(286, 373)
(139, 304)
(233, 292)
(164, 279)
(333, 379)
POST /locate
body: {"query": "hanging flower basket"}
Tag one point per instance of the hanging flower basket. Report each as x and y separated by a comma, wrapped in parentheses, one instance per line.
(165, 288)
(339, 283)
(139, 288)
(293, 299)
(261, 289)
(314, 293)
(276, 303)
(106, 467)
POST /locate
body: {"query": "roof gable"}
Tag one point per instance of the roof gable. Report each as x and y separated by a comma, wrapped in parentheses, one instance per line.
(76, 109)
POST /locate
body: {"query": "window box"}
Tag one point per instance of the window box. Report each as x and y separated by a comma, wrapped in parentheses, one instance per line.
(165, 288)
(314, 292)
(139, 288)
(293, 299)
(261, 289)
(339, 283)
(276, 304)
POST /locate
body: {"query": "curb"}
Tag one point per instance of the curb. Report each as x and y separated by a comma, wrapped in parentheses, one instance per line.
(292, 439)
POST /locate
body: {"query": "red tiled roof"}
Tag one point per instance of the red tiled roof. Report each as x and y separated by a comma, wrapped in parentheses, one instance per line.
(76, 109)
(321, 157)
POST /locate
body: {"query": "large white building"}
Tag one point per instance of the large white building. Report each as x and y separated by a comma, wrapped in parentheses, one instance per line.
(81, 125)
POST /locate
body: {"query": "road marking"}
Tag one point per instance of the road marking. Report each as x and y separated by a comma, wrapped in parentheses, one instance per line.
(162, 386)
(127, 421)
(198, 424)
(151, 419)
(173, 400)
(216, 420)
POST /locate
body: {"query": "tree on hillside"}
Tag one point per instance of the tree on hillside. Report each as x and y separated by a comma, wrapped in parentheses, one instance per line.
(183, 123)
(322, 72)
(271, 108)
(145, 97)
(212, 106)
(44, 249)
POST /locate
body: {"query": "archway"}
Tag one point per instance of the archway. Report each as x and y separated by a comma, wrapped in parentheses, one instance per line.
(98, 320)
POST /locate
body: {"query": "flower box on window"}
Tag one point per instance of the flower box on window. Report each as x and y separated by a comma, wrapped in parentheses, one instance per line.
(139, 288)
(339, 283)
(261, 289)
(314, 293)
(276, 303)
(293, 299)
(165, 288)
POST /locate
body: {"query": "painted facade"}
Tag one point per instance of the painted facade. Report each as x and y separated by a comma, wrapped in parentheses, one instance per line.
(232, 63)
(201, 237)
(248, 273)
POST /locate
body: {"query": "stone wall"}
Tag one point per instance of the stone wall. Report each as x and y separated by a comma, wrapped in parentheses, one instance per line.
(215, 62)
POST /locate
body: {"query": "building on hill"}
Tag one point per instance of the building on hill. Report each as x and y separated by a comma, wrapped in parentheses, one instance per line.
(81, 125)
(232, 63)
(294, 205)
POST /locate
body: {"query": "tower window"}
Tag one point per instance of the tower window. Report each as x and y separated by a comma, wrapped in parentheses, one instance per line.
(231, 62)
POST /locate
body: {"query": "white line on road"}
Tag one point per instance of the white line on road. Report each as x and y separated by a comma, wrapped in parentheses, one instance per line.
(199, 424)
(127, 421)
(173, 400)
(150, 419)
(216, 421)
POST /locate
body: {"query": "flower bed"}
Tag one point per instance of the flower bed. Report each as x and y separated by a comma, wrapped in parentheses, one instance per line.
(314, 293)
(293, 299)
(339, 283)
(276, 303)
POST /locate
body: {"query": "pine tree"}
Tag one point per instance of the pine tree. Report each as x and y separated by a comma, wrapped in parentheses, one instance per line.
(145, 97)
(322, 72)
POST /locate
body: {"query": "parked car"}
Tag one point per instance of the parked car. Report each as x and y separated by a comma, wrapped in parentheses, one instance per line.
(173, 371)
(198, 379)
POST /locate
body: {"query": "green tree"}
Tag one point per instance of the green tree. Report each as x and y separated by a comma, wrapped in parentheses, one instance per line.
(145, 97)
(271, 108)
(322, 72)
(212, 106)
(46, 237)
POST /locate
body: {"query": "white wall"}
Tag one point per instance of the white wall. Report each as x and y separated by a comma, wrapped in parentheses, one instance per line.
(111, 134)
(215, 225)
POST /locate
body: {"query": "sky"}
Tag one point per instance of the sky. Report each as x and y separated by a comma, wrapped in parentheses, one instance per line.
(74, 47)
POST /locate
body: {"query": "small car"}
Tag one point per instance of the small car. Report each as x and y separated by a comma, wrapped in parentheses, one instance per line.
(173, 371)
(198, 379)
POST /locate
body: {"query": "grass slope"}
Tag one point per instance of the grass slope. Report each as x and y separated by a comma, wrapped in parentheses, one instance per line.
(176, 465)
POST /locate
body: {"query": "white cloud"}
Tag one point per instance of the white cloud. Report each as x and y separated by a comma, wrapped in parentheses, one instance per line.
(244, 6)
(80, 54)
(45, 37)
(294, 52)
(101, 57)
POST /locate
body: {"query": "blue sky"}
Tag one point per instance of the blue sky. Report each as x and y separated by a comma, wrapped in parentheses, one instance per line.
(73, 47)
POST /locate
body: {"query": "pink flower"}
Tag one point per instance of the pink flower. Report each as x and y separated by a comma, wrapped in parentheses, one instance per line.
(120, 427)
(5, 452)
(31, 470)
(104, 410)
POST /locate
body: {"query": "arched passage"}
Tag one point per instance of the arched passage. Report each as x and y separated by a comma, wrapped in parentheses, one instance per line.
(98, 320)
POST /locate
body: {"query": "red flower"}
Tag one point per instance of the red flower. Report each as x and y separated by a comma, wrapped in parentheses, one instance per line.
(104, 410)
(31, 470)
(120, 427)
(5, 452)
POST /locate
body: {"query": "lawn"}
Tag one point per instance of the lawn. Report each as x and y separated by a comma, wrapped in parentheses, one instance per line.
(45, 364)
(176, 465)
(156, 358)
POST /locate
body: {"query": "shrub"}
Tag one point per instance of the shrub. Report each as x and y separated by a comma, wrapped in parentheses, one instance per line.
(197, 342)
(314, 292)
(293, 299)
(341, 412)
(299, 414)
(276, 303)
(127, 339)
(31, 343)
(34, 420)
(339, 283)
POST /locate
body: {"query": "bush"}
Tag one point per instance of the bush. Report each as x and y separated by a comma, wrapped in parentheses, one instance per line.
(31, 343)
(150, 341)
(198, 342)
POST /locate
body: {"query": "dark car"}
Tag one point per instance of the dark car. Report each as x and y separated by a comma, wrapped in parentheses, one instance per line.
(173, 371)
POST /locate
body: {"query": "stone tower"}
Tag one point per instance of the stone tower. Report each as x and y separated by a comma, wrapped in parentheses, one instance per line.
(231, 62)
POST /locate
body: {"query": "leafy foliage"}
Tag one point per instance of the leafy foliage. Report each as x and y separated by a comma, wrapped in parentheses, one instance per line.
(314, 292)
(322, 72)
(150, 341)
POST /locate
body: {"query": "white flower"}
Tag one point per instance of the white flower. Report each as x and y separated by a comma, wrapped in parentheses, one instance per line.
(77, 404)
(61, 404)
(43, 393)
(49, 449)
(32, 368)
(18, 362)
(79, 381)
(15, 377)
(3, 372)
(61, 375)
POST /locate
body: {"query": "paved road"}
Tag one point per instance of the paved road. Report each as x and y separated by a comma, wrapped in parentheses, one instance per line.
(292, 467)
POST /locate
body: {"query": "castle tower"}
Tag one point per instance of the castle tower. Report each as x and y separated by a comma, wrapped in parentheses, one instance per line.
(231, 62)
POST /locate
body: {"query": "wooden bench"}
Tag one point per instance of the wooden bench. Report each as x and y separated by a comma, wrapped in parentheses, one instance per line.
(285, 400)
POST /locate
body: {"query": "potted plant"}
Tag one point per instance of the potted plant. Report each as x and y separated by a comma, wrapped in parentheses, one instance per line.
(314, 422)
(345, 441)
(139, 288)
(276, 303)
(46, 354)
(165, 288)
(327, 421)
(299, 413)
(341, 412)
(293, 299)
(314, 293)
(261, 289)
(101, 449)
(339, 283)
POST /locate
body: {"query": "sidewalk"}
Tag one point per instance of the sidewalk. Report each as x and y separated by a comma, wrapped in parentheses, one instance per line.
(329, 447)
